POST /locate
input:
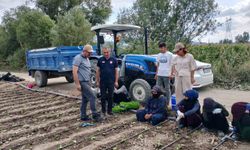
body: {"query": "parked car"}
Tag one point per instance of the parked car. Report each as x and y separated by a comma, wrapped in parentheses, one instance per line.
(203, 75)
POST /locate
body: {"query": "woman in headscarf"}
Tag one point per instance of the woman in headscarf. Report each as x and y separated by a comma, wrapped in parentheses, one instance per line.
(241, 119)
(214, 116)
(188, 110)
(155, 108)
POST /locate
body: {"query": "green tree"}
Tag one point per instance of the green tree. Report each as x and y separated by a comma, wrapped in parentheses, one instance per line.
(10, 21)
(172, 20)
(53, 8)
(33, 30)
(226, 41)
(23, 28)
(3, 43)
(244, 38)
(72, 29)
(96, 10)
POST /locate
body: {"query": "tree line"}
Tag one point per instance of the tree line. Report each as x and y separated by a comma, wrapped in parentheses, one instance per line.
(50, 23)
(68, 22)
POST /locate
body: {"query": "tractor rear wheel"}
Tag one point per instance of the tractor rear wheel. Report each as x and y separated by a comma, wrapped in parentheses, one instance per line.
(140, 90)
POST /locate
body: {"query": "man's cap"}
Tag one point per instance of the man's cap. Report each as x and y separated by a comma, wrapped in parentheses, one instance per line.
(191, 94)
(178, 46)
(88, 48)
(156, 89)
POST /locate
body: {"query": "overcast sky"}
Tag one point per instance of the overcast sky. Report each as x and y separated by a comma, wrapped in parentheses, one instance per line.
(237, 10)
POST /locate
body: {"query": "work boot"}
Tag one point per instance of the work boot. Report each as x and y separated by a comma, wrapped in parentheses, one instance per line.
(96, 117)
(86, 118)
(110, 113)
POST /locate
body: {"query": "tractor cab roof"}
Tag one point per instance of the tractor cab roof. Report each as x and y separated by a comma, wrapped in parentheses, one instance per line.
(114, 28)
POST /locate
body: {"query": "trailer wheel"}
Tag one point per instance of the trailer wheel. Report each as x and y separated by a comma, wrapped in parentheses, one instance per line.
(140, 90)
(41, 78)
(70, 79)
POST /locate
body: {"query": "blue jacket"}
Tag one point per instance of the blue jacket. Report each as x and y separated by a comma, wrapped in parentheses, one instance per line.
(156, 105)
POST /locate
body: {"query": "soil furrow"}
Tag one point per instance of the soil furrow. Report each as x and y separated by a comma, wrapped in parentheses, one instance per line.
(38, 112)
(37, 122)
(26, 110)
(28, 104)
(26, 99)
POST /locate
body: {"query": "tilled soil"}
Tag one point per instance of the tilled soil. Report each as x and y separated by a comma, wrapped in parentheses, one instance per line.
(38, 120)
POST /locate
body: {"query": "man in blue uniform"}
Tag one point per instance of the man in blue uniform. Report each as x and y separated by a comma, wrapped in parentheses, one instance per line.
(155, 108)
(107, 79)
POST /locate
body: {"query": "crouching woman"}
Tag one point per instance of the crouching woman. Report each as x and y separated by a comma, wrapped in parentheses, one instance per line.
(188, 110)
(214, 116)
(241, 120)
(155, 108)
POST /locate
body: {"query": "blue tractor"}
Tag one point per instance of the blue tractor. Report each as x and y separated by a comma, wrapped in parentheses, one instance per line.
(137, 72)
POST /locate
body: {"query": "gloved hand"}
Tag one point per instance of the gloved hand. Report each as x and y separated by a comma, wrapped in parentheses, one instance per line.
(180, 115)
(217, 111)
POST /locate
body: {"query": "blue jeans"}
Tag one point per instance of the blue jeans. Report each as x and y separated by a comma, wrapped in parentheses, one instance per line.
(87, 95)
(155, 119)
(163, 82)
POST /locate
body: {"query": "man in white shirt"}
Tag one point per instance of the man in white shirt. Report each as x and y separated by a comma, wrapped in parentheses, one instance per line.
(163, 71)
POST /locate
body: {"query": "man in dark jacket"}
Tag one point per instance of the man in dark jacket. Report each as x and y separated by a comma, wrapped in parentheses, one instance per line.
(214, 116)
(155, 108)
(188, 110)
(241, 119)
(107, 79)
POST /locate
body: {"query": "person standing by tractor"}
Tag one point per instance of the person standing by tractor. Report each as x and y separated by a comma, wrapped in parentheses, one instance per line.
(163, 70)
(183, 67)
(107, 79)
(81, 75)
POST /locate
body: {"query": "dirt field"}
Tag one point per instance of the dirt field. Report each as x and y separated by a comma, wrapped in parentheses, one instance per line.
(37, 120)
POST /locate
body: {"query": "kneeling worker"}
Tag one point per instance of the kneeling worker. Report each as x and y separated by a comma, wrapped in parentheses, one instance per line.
(155, 108)
(241, 120)
(214, 116)
(188, 110)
